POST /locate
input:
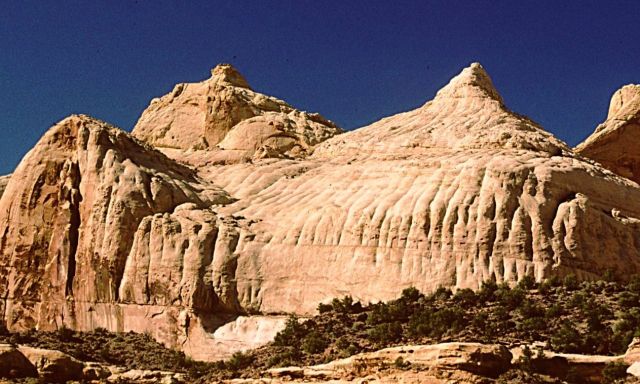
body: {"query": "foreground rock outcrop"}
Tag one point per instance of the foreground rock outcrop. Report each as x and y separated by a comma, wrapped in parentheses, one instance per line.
(447, 363)
(614, 142)
(246, 204)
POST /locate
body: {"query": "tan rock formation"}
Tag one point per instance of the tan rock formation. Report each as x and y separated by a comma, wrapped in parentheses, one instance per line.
(456, 192)
(100, 230)
(224, 113)
(54, 366)
(481, 359)
(4, 180)
(74, 215)
(614, 144)
(438, 363)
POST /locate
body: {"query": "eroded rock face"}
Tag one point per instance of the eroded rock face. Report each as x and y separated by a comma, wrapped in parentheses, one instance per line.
(74, 215)
(614, 142)
(100, 230)
(454, 193)
(223, 114)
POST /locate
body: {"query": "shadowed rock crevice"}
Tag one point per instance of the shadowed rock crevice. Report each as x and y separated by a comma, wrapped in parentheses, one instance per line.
(74, 227)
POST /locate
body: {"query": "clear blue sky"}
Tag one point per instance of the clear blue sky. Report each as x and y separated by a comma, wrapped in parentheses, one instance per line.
(353, 61)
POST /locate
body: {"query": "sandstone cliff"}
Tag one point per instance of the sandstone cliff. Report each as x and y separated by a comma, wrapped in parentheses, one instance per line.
(86, 202)
(614, 142)
(224, 115)
(100, 230)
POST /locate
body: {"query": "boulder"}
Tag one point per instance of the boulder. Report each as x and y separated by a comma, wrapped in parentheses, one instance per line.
(14, 365)
(95, 371)
(54, 366)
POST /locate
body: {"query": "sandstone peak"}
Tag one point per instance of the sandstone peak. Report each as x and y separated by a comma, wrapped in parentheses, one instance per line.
(224, 115)
(626, 98)
(614, 143)
(473, 81)
(228, 75)
(468, 113)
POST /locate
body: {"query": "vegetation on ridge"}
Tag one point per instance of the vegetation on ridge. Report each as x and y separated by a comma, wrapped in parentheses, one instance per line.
(600, 317)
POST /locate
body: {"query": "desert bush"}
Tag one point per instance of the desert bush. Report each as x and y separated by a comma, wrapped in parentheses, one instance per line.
(411, 295)
(465, 297)
(629, 299)
(385, 333)
(614, 371)
(441, 293)
(346, 305)
(314, 343)
(527, 282)
(510, 298)
(567, 339)
(553, 312)
(570, 282)
(292, 333)
(239, 361)
(324, 308)
(487, 291)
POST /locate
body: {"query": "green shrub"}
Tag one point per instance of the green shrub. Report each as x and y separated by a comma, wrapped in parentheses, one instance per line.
(314, 343)
(634, 284)
(629, 299)
(292, 333)
(487, 291)
(527, 282)
(510, 298)
(64, 333)
(441, 293)
(400, 363)
(239, 361)
(411, 295)
(324, 308)
(525, 362)
(567, 339)
(554, 312)
(346, 305)
(614, 371)
(570, 282)
(385, 333)
(466, 297)
(529, 309)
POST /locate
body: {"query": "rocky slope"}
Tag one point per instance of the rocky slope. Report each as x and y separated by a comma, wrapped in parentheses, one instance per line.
(248, 209)
(614, 142)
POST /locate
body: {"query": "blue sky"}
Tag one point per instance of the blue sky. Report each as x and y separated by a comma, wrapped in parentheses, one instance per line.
(354, 62)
